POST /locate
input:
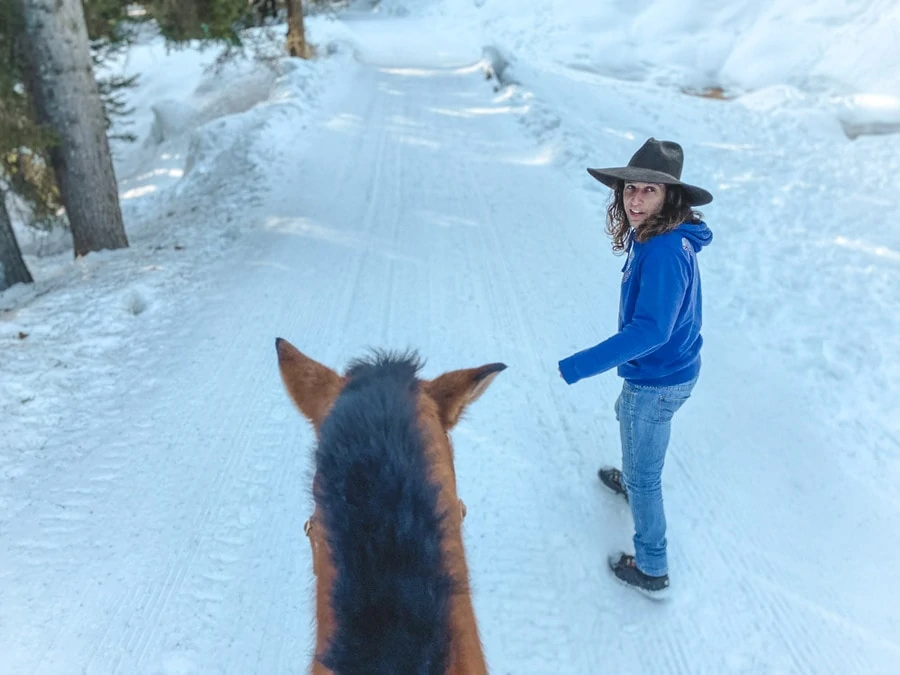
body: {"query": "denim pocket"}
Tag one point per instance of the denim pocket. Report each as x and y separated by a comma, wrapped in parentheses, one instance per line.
(640, 402)
(672, 398)
(657, 404)
(669, 405)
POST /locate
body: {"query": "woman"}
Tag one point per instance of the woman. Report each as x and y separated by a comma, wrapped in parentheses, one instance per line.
(657, 347)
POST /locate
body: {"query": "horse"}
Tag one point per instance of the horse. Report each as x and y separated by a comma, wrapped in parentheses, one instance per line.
(392, 593)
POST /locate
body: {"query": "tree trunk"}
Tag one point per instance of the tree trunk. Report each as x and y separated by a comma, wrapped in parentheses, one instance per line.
(179, 19)
(296, 33)
(61, 81)
(12, 267)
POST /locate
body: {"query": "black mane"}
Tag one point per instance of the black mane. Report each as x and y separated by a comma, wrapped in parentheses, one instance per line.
(391, 596)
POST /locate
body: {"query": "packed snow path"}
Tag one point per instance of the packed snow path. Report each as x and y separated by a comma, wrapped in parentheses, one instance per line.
(418, 215)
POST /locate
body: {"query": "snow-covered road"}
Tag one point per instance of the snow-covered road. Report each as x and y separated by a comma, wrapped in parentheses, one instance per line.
(414, 212)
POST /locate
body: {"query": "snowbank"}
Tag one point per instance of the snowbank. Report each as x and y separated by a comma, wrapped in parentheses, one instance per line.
(841, 53)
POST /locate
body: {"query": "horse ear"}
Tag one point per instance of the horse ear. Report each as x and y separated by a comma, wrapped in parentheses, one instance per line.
(312, 386)
(455, 390)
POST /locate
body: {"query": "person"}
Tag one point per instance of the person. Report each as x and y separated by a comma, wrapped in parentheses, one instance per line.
(656, 350)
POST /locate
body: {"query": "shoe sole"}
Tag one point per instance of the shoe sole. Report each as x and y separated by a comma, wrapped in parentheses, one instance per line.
(656, 596)
(659, 595)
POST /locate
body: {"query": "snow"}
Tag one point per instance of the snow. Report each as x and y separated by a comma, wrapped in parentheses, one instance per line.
(156, 477)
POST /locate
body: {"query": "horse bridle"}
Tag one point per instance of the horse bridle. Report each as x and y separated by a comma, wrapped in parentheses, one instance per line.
(310, 523)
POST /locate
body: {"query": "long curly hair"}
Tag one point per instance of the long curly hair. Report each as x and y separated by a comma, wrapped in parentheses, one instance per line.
(675, 210)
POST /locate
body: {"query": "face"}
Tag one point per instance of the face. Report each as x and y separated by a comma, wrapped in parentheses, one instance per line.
(642, 201)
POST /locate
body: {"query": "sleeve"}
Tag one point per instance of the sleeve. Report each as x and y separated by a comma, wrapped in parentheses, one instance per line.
(664, 279)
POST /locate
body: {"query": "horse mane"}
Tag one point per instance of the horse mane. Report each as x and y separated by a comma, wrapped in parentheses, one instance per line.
(392, 589)
(403, 366)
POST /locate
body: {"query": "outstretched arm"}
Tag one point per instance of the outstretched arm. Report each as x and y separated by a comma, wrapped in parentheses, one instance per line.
(664, 280)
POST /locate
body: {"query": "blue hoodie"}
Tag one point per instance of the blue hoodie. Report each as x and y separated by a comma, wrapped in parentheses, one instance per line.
(660, 313)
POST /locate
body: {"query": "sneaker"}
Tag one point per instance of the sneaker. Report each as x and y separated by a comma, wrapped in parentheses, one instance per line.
(612, 478)
(626, 570)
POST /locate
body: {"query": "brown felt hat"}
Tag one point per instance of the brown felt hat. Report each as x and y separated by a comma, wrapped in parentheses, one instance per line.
(654, 162)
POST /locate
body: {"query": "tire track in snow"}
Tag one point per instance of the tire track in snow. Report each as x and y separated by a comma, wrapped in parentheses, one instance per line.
(739, 554)
(470, 284)
(279, 619)
(227, 556)
(390, 316)
(333, 325)
(221, 558)
(374, 200)
(552, 626)
(143, 621)
(181, 566)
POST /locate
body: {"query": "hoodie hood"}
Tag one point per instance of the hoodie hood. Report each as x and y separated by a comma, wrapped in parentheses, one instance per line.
(697, 233)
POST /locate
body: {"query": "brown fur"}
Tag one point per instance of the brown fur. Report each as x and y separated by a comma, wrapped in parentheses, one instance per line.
(441, 402)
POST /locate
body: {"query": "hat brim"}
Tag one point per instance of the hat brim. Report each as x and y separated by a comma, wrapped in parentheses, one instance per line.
(696, 196)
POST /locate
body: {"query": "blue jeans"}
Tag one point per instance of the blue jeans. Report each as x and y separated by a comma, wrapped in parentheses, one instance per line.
(645, 422)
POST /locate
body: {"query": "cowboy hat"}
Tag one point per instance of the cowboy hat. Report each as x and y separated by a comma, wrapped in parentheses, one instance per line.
(654, 162)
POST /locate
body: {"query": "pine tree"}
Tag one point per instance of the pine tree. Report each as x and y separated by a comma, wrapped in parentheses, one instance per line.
(296, 33)
(12, 267)
(59, 76)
